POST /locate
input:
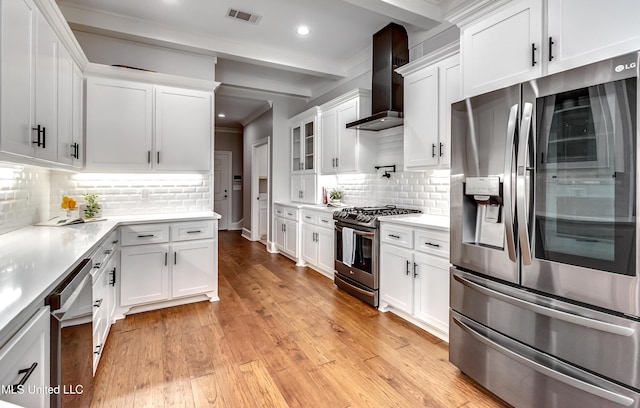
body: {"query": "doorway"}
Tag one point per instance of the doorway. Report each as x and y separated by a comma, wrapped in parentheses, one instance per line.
(260, 190)
(222, 197)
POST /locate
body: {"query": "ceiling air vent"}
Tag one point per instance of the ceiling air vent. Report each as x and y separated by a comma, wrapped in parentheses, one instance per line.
(243, 15)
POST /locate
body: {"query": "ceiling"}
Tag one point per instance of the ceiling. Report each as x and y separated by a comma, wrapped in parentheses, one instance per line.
(268, 56)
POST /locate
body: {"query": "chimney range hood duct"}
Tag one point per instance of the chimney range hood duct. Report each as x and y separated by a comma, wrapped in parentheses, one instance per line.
(390, 51)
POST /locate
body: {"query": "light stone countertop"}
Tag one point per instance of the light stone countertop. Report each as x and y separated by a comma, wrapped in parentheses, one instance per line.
(35, 259)
(439, 222)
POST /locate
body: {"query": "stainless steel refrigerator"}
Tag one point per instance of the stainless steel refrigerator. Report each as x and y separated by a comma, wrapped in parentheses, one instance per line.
(545, 294)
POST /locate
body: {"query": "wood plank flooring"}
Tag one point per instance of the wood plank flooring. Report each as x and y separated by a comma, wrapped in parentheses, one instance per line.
(281, 336)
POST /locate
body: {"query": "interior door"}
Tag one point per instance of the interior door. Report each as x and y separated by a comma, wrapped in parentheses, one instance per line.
(221, 183)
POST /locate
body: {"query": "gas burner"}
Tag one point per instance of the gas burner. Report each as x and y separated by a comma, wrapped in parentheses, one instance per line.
(368, 216)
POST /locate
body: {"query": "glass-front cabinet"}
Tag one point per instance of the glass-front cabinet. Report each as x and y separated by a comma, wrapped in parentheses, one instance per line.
(304, 132)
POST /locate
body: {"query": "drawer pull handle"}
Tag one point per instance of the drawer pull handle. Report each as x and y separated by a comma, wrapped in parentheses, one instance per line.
(97, 265)
(194, 232)
(98, 349)
(307, 217)
(394, 236)
(146, 236)
(97, 303)
(108, 251)
(15, 388)
(432, 244)
(113, 277)
(325, 221)
(115, 242)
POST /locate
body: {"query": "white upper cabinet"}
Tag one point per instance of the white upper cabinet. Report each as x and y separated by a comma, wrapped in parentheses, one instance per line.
(430, 86)
(183, 130)
(304, 188)
(28, 69)
(527, 39)
(347, 150)
(66, 149)
(77, 116)
(304, 141)
(585, 31)
(121, 135)
(503, 48)
(119, 125)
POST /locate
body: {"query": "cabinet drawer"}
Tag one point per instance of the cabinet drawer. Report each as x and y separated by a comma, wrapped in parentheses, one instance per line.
(432, 242)
(278, 210)
(325, 220)
(186, 231)
(291, 213)
(106, 250)
(144, 234)
(397, 235)
(310, 217)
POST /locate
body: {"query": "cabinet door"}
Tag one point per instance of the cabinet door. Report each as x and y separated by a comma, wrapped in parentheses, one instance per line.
(144, 275)
(65, 107)
(291, 238)
(184, 133)
(296, 148)
(309, 190)
(347, 138)
(309, 144)
(193, 268)
(396, 277)
(586, 31)
(46, 61)
(309, 244)
(421, 119)
(29, 346)
(119, 127)
(450, 92)
(329, 140)
(297, 189)
(279, 233)
(77, 115)
(431, 298)
(17, 19)
(326, 248)
(498, 50)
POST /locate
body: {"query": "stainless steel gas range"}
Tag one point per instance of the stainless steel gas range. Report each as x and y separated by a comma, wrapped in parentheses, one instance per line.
(357, 249)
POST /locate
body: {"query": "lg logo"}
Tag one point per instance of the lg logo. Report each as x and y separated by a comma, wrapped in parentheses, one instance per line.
(621, 67)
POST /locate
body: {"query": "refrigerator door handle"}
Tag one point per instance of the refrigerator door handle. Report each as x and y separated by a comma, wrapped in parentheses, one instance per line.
(521, 184)
(506, 183)
(542, 369)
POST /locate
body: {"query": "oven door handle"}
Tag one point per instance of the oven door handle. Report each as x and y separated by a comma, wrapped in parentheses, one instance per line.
(546, 311)
(364, 234)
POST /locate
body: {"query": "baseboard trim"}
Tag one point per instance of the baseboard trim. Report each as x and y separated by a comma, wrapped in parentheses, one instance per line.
(246, 234)
(236, 226)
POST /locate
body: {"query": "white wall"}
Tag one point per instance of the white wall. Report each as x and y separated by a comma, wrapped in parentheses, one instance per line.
(113, 51)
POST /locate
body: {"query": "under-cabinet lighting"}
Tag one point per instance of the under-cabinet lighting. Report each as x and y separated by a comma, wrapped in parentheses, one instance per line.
(221, 115)
(134, 176)
(303, 30)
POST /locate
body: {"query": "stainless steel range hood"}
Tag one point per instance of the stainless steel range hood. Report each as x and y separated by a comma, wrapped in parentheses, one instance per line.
(390, 51)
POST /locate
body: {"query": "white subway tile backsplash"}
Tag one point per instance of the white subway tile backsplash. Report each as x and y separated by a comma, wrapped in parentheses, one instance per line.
(24, 196)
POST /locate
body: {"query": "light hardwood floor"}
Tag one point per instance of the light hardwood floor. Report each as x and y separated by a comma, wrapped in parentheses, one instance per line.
(280, 336)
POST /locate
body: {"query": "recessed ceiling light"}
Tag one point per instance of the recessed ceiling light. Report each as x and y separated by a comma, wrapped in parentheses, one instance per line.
(221, 115)
(303, 30)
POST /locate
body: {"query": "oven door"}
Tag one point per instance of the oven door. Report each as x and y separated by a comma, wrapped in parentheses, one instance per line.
(579, 187)
(365, 256)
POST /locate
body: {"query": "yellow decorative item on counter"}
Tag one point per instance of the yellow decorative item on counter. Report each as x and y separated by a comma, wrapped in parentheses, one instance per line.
(68, 203)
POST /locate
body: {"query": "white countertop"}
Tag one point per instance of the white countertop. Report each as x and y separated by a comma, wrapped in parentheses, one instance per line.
(440, 222)
(33, 260)
(315, 207)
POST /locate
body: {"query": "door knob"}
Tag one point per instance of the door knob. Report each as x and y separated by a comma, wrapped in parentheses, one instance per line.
(225, 196)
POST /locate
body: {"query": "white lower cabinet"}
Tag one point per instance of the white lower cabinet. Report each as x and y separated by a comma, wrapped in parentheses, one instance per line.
(317, 236)
(181, 261)
(414, 276)
(285, 224)
(25, 360)
(103, 293)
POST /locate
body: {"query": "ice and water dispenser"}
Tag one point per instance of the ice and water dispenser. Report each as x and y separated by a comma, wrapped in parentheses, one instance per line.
(483, 212)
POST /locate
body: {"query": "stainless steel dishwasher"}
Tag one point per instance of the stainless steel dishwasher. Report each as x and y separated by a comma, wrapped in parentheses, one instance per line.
(72, 339)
